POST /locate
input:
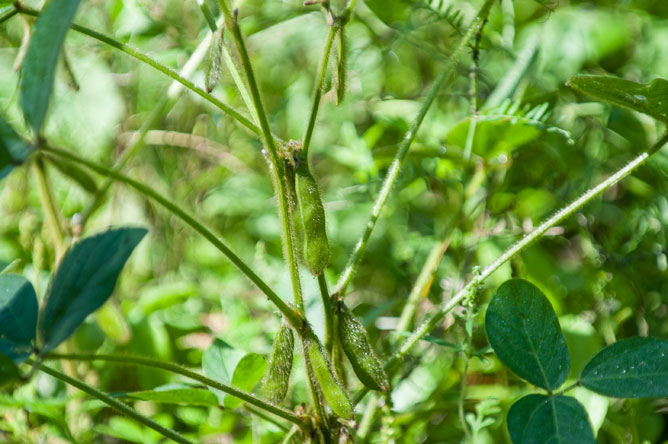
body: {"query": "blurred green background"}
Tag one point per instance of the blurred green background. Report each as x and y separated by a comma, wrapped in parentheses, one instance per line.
(537, 146)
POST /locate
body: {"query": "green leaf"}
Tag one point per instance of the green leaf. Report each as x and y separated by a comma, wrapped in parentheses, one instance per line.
(391, 12)
(40, 61)
(9, 372)
(13, 149)
(219, 362)
(649, 98)
(631, 368)
(525, 334)
(74, 172)
(84, 280)
(247, 374)
(176, 395)
(18, 317)
(538, 419)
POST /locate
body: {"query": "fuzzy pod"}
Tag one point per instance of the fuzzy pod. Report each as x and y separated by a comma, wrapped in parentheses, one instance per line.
(357, 347)
(215, 59)
(312, 215)
(331, 389)
(277, 376)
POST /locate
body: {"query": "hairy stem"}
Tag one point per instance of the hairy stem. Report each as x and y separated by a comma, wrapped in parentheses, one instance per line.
(114, 403)
(133, 52)
(400, 157)
(317, 89)
(295, 318)
(329, 314)
(173, 368)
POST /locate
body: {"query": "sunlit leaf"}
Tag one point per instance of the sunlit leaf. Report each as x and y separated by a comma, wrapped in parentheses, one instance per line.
(649, 98)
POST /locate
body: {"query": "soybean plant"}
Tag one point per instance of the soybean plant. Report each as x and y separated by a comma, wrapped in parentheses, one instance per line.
(522, 327)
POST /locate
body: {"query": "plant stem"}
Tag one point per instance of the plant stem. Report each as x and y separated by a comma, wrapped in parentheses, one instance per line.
(520, 245)
(53, 218)
(400, 157)
(276, 159)
(294, 317)
(329, 314)
(317, 88)
(173, 368)
(9, 14)
(133, 52)
(435, 318)
(122, 408)
(568, 388)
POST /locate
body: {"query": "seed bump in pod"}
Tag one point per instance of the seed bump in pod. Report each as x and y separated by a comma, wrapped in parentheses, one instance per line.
(355, 343)
(312, 214)
(277, 376)
(334, 394)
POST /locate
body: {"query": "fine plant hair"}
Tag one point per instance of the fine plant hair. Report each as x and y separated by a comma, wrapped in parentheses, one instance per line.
(34, 334)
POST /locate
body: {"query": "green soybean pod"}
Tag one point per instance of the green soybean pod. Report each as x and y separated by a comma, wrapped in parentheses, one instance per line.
(355, 343)
(277, 376)
(334, 394)
(312, 214)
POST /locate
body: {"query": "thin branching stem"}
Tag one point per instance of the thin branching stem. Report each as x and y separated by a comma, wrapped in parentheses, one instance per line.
(317, 88)
(400, 157)
(53, 217)
(177, 369)
(133, 52)
(114, 403)
(292, 315)
(436, 317)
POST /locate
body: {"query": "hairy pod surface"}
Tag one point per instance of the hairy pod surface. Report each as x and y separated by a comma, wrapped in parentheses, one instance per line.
(277, 376)
(334, 394)
(312, 215)
(357, 347)
(215, 59)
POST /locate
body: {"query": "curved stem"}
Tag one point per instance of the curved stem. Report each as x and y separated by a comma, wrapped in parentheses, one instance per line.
(53, 217)
(295, 318)
(435, 318)
(328, 309)
(317, 89)
(9, 14)
(114, 403)
(133, 52)
(400, 157)
(173, 368)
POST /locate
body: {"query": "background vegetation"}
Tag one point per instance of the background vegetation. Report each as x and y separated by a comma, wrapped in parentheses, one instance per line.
(537, 146)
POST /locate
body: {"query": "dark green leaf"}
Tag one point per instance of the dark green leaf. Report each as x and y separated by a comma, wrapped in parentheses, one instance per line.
(183, 395)
(9, 372)
(18, 317)
(13, 149)
(630, 368)
(80, 176)
(538, 419)
(525, 334)
(247, 374)
(85, 279)
(40, 62)
(649, 98)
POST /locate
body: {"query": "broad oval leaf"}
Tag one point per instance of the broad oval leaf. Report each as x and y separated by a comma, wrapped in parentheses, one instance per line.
(84, 280)
(18, 317)
(631, 368)
(247, 374)
(9, 372)
(13, 149)
(649, 98)
(40, 61)
(525, 334)
(232, 367)
(538, 419)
